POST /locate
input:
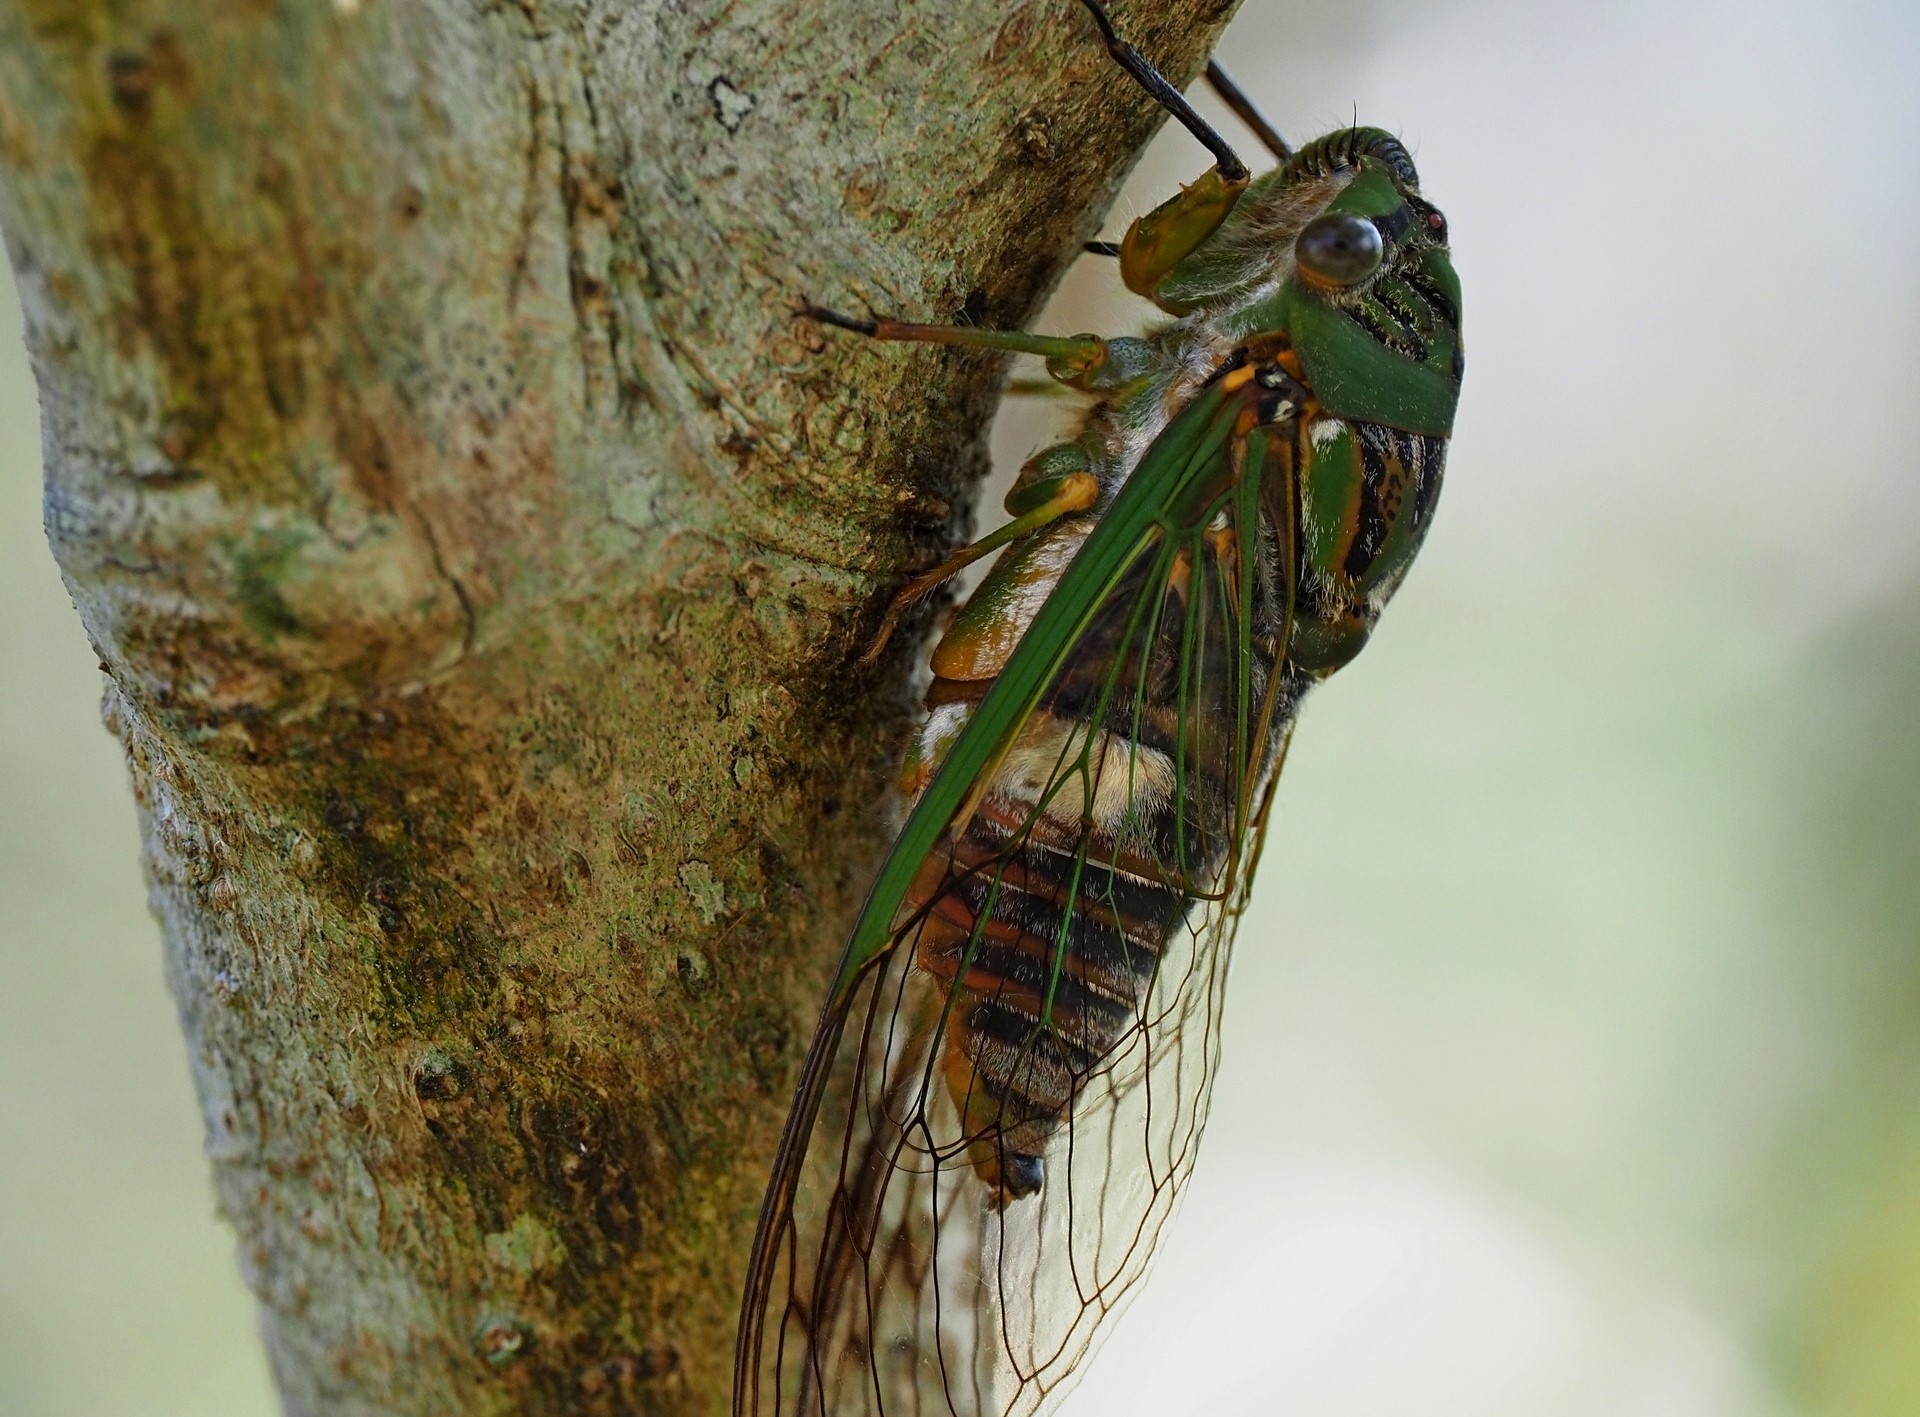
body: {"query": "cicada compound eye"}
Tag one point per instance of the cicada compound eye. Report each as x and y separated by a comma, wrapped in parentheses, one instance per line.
(1339, 248)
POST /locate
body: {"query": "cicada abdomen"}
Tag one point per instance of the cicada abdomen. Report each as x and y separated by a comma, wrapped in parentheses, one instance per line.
(1046, 912)
(1008, 1083)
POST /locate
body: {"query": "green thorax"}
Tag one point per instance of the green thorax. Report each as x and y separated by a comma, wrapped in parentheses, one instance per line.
(1372, 330)
(1386, 350)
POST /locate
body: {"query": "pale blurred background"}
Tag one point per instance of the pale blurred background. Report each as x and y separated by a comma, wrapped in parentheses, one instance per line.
(1573, 1065)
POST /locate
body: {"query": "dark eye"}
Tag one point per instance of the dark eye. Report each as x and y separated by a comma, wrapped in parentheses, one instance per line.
(1339, 248)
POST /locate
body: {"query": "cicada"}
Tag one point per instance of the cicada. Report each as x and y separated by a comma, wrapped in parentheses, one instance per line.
(1010, 1076)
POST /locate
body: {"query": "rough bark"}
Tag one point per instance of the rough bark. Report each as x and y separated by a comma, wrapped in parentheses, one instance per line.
(475, 549)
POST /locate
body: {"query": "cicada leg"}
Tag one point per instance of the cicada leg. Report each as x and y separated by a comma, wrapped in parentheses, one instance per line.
(1199, 210)
(1159, 241)
(1172, 231)
(1036, 504)
(1246, 110)
(1074, 360)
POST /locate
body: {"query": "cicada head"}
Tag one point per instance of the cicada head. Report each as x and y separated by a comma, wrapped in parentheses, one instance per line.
(1340, 254)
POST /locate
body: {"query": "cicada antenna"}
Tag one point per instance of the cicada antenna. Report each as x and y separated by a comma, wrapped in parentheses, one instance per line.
(1167, 96)
(1244, 108)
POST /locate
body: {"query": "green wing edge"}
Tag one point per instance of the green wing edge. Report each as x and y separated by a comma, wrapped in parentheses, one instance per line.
(1176, 463)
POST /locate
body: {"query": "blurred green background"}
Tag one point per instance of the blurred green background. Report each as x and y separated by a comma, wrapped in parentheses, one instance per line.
(1573, 1063)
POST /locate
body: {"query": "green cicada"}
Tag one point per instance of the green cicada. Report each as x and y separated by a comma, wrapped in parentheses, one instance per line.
(1010, 1076)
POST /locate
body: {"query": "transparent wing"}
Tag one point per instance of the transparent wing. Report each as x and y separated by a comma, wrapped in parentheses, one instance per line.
(1005, 1096)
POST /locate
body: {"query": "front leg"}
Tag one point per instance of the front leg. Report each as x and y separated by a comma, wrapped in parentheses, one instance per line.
(1174, 230)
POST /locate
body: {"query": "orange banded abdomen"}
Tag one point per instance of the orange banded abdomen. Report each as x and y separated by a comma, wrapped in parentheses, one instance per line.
(1044, 978)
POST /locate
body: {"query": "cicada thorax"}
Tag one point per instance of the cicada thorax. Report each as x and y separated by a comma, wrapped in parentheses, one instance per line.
(1369, 316)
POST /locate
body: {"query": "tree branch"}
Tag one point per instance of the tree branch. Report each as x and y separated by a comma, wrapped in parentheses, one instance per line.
(478, 552)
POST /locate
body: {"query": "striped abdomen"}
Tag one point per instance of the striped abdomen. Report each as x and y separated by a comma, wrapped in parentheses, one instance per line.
(1045, 916)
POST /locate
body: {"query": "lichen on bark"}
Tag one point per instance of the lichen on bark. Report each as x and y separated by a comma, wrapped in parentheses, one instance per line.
(476, 551)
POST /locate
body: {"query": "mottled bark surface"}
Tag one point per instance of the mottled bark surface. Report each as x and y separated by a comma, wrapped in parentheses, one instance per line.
(476, 551)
